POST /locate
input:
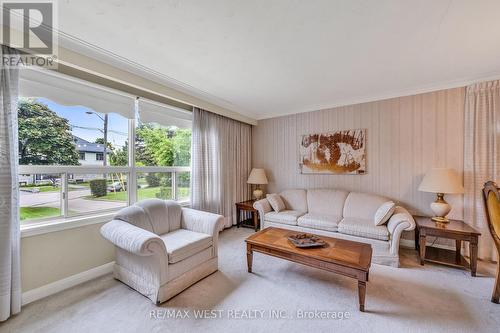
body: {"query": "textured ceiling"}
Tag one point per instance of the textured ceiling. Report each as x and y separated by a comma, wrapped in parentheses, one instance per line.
(273, 57)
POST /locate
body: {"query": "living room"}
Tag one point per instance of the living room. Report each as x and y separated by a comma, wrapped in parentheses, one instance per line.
(250, 166)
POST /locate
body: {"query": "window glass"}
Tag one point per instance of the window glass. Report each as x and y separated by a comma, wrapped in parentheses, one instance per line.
(96, 192)
(79, 133)
(40, 196)
(183, 181)
(158, 145)
(154, 185)
(54, 134)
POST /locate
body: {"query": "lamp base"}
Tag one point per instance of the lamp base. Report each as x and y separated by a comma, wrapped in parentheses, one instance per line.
(440, 208)
(440, 219)
(258, 193)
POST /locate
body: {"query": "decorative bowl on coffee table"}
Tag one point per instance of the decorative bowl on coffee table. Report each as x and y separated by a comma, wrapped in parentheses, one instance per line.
(306, 240)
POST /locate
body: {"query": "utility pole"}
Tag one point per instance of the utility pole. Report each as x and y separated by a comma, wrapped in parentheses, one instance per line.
(105, 150)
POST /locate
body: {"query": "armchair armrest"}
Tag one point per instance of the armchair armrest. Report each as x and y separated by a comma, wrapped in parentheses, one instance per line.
(200, 221)
(262, 207)
(401, 220)
(132, 239)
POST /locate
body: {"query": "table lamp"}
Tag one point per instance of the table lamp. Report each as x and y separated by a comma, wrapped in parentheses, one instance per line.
(441, 181)
(257, 177)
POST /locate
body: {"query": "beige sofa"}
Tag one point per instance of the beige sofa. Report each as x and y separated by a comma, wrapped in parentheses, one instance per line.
(162, 248)
(340, 214)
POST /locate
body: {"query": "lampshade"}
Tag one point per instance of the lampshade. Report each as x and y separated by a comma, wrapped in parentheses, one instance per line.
(257, 176)
(441, 180)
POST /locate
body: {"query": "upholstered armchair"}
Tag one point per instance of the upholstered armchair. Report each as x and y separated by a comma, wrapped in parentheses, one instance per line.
(163, 248)
(491, 198)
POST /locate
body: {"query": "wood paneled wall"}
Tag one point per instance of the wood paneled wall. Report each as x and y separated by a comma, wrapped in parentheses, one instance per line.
(405, 137)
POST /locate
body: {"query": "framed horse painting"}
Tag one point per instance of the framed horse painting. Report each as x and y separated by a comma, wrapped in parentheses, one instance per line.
(340, 152)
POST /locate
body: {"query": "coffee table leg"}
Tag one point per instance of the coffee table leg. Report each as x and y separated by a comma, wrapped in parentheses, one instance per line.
(249, 258)
(361, 295)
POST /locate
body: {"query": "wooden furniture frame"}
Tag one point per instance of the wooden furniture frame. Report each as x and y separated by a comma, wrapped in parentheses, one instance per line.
(455, 229)
(492, 188)
(247, 206)
(339, 256)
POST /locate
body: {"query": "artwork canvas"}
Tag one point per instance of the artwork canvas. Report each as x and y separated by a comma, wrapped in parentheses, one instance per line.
(340, 152)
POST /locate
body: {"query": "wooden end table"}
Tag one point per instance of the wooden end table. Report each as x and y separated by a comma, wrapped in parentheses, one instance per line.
(455, 229)
(253, 221)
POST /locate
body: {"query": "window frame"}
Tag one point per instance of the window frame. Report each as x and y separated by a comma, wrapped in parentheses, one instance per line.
(131, 170)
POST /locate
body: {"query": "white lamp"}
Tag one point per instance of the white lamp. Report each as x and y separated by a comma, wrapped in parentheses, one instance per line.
(441, 181)
(257, 177)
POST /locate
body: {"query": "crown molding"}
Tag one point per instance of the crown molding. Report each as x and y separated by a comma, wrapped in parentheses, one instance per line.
(494, 75)
(92, 51)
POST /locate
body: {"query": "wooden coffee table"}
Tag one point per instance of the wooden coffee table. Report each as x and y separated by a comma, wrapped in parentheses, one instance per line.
(339, 256)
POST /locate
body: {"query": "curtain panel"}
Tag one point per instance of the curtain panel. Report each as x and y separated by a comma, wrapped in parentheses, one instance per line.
(220, 164)
(10, 276)
(481, 156)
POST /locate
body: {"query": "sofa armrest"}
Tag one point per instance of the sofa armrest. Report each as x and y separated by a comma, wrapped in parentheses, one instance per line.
(401, 220)
(200, 221)
(133, 239)
(262, 207)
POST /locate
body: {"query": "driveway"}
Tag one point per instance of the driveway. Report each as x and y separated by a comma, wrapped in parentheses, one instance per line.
(77, 202)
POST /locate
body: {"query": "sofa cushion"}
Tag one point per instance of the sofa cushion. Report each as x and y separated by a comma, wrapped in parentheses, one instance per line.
(363, 228)
(295, 200)
(276, 202)
(384, 212)
(318, 221)
(182, 243)
(285, 217)
(362, 205)
(326, 201)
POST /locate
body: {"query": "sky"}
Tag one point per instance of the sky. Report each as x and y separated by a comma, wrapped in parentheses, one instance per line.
(93, 125)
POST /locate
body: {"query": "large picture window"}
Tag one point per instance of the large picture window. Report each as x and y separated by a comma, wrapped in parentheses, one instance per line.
(76, 143)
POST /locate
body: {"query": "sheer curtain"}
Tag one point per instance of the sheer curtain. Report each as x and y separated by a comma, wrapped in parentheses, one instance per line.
(220, 163)
(481, 155)
(10, 279)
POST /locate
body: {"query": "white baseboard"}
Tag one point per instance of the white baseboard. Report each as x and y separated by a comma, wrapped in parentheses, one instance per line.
(71, 281)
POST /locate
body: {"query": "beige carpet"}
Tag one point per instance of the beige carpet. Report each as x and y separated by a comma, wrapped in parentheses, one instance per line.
(408, 299)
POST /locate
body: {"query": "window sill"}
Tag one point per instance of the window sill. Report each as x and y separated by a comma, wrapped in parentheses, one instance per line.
(45, 227)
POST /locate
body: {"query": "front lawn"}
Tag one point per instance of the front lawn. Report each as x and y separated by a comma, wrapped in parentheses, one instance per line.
(41, 189)
(31, 213)
(143, 193)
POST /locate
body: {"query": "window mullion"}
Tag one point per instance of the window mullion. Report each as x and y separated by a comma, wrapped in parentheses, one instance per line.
(65, 194)
(132, 188)
(174, 185)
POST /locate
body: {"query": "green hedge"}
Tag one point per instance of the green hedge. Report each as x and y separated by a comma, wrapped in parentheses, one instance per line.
(153, 180)
(98, 187)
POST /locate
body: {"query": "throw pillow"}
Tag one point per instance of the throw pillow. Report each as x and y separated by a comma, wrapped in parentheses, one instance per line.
(384, 212)
(276, 202)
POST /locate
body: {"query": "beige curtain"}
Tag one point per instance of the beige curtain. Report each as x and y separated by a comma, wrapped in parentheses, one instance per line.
(220, 164)
(481, 155)
(10, 271)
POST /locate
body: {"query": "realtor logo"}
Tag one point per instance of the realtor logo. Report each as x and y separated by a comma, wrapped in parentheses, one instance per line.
(29, 27)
